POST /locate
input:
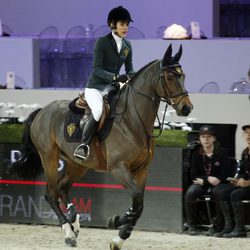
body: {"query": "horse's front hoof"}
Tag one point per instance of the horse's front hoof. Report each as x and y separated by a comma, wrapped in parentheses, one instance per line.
(113, 222)
(70, 242)
(116, 243)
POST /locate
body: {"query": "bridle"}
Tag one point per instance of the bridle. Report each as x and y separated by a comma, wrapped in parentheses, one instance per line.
(171, 97)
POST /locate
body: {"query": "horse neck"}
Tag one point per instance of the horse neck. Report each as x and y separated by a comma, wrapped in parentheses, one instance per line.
(142, 105)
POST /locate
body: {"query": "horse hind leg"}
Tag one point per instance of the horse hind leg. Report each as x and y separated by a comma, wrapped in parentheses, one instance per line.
(70, 237)
(72, 174)
(50, 163)
(135, 183)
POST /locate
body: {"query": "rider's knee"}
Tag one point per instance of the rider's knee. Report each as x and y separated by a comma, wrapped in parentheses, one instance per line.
(97, 113)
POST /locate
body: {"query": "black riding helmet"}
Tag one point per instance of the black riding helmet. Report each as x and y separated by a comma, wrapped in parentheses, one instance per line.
(119, 14)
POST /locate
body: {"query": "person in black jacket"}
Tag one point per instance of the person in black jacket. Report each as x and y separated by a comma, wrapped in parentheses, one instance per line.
(209, 170)
(232, 195)
(111, 52)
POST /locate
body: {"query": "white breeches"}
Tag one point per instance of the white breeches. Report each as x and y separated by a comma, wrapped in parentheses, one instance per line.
(95, 102)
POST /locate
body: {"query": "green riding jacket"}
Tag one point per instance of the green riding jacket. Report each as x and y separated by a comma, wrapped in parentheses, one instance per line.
(108, 62)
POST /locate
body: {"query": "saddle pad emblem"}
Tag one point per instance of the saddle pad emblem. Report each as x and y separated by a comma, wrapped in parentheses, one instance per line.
(71, 129)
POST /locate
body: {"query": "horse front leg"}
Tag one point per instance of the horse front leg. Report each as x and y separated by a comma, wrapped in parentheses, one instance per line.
(136, 184)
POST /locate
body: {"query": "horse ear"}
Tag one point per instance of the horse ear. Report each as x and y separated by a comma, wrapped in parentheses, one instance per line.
(167, 57)
(178, 54)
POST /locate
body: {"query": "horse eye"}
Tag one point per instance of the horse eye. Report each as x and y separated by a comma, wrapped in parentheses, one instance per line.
(170, 76)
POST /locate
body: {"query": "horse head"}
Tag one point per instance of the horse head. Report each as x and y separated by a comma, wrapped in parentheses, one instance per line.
(172, 83)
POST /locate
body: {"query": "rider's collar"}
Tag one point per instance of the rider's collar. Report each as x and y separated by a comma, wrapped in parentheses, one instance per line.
(116, 37)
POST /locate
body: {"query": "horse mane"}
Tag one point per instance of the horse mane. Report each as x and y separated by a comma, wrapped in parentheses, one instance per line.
(133, 78)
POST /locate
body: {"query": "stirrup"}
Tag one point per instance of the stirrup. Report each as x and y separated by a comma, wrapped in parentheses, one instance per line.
(82, 151)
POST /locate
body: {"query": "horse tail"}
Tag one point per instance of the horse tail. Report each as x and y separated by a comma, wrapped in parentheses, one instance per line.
(29, 164)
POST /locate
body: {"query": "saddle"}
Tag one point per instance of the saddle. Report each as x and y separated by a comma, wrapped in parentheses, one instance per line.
(82, 104)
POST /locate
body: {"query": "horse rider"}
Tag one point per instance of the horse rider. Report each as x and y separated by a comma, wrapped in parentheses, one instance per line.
(110, 53)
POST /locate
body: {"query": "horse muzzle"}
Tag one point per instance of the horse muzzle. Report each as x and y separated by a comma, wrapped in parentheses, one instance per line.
(186, 110)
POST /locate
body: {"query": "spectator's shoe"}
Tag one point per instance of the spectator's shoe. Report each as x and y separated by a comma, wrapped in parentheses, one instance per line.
(211, 231)
(236, 233)
(217, 231)
(192, 230)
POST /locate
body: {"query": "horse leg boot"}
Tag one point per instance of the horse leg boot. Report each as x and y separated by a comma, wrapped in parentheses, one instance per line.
(239, 229)
(83, 150)
(128, 221)
(228, 221)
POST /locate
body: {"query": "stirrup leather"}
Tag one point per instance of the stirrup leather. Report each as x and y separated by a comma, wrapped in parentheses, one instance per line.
(82, 151)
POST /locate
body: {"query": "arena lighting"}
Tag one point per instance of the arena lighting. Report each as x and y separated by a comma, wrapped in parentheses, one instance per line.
(90, 185)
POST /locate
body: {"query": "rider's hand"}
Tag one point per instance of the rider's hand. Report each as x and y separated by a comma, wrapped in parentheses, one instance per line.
(213, 180)
(198, 181)
(122, 78)
(242, 183)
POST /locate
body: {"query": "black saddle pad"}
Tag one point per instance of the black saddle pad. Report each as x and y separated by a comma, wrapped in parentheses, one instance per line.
(72, 130)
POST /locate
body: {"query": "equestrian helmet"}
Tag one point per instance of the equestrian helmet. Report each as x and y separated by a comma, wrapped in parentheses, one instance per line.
(119, 14)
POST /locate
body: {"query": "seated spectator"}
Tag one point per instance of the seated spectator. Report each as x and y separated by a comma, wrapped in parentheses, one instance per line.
(208, 171)
(232, 195)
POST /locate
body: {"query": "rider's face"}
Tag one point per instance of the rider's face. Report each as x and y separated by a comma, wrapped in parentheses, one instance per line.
(122, 28)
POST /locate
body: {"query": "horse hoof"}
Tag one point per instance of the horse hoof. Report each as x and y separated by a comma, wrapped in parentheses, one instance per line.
(116, 243)
(113, 246)
(113, 222)
(70, 242)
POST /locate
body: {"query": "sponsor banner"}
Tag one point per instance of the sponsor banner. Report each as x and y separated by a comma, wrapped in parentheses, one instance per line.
(97, 196)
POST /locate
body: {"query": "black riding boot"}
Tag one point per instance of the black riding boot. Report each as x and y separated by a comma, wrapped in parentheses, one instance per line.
(239, 229)
(82, 151)
(228, 221)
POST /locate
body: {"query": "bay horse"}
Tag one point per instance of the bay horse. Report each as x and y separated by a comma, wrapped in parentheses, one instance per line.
(128, 149)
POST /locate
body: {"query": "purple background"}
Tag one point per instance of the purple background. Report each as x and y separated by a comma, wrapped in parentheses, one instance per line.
(29, 17)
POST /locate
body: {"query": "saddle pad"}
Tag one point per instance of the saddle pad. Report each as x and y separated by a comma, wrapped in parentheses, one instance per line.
(72, 131)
